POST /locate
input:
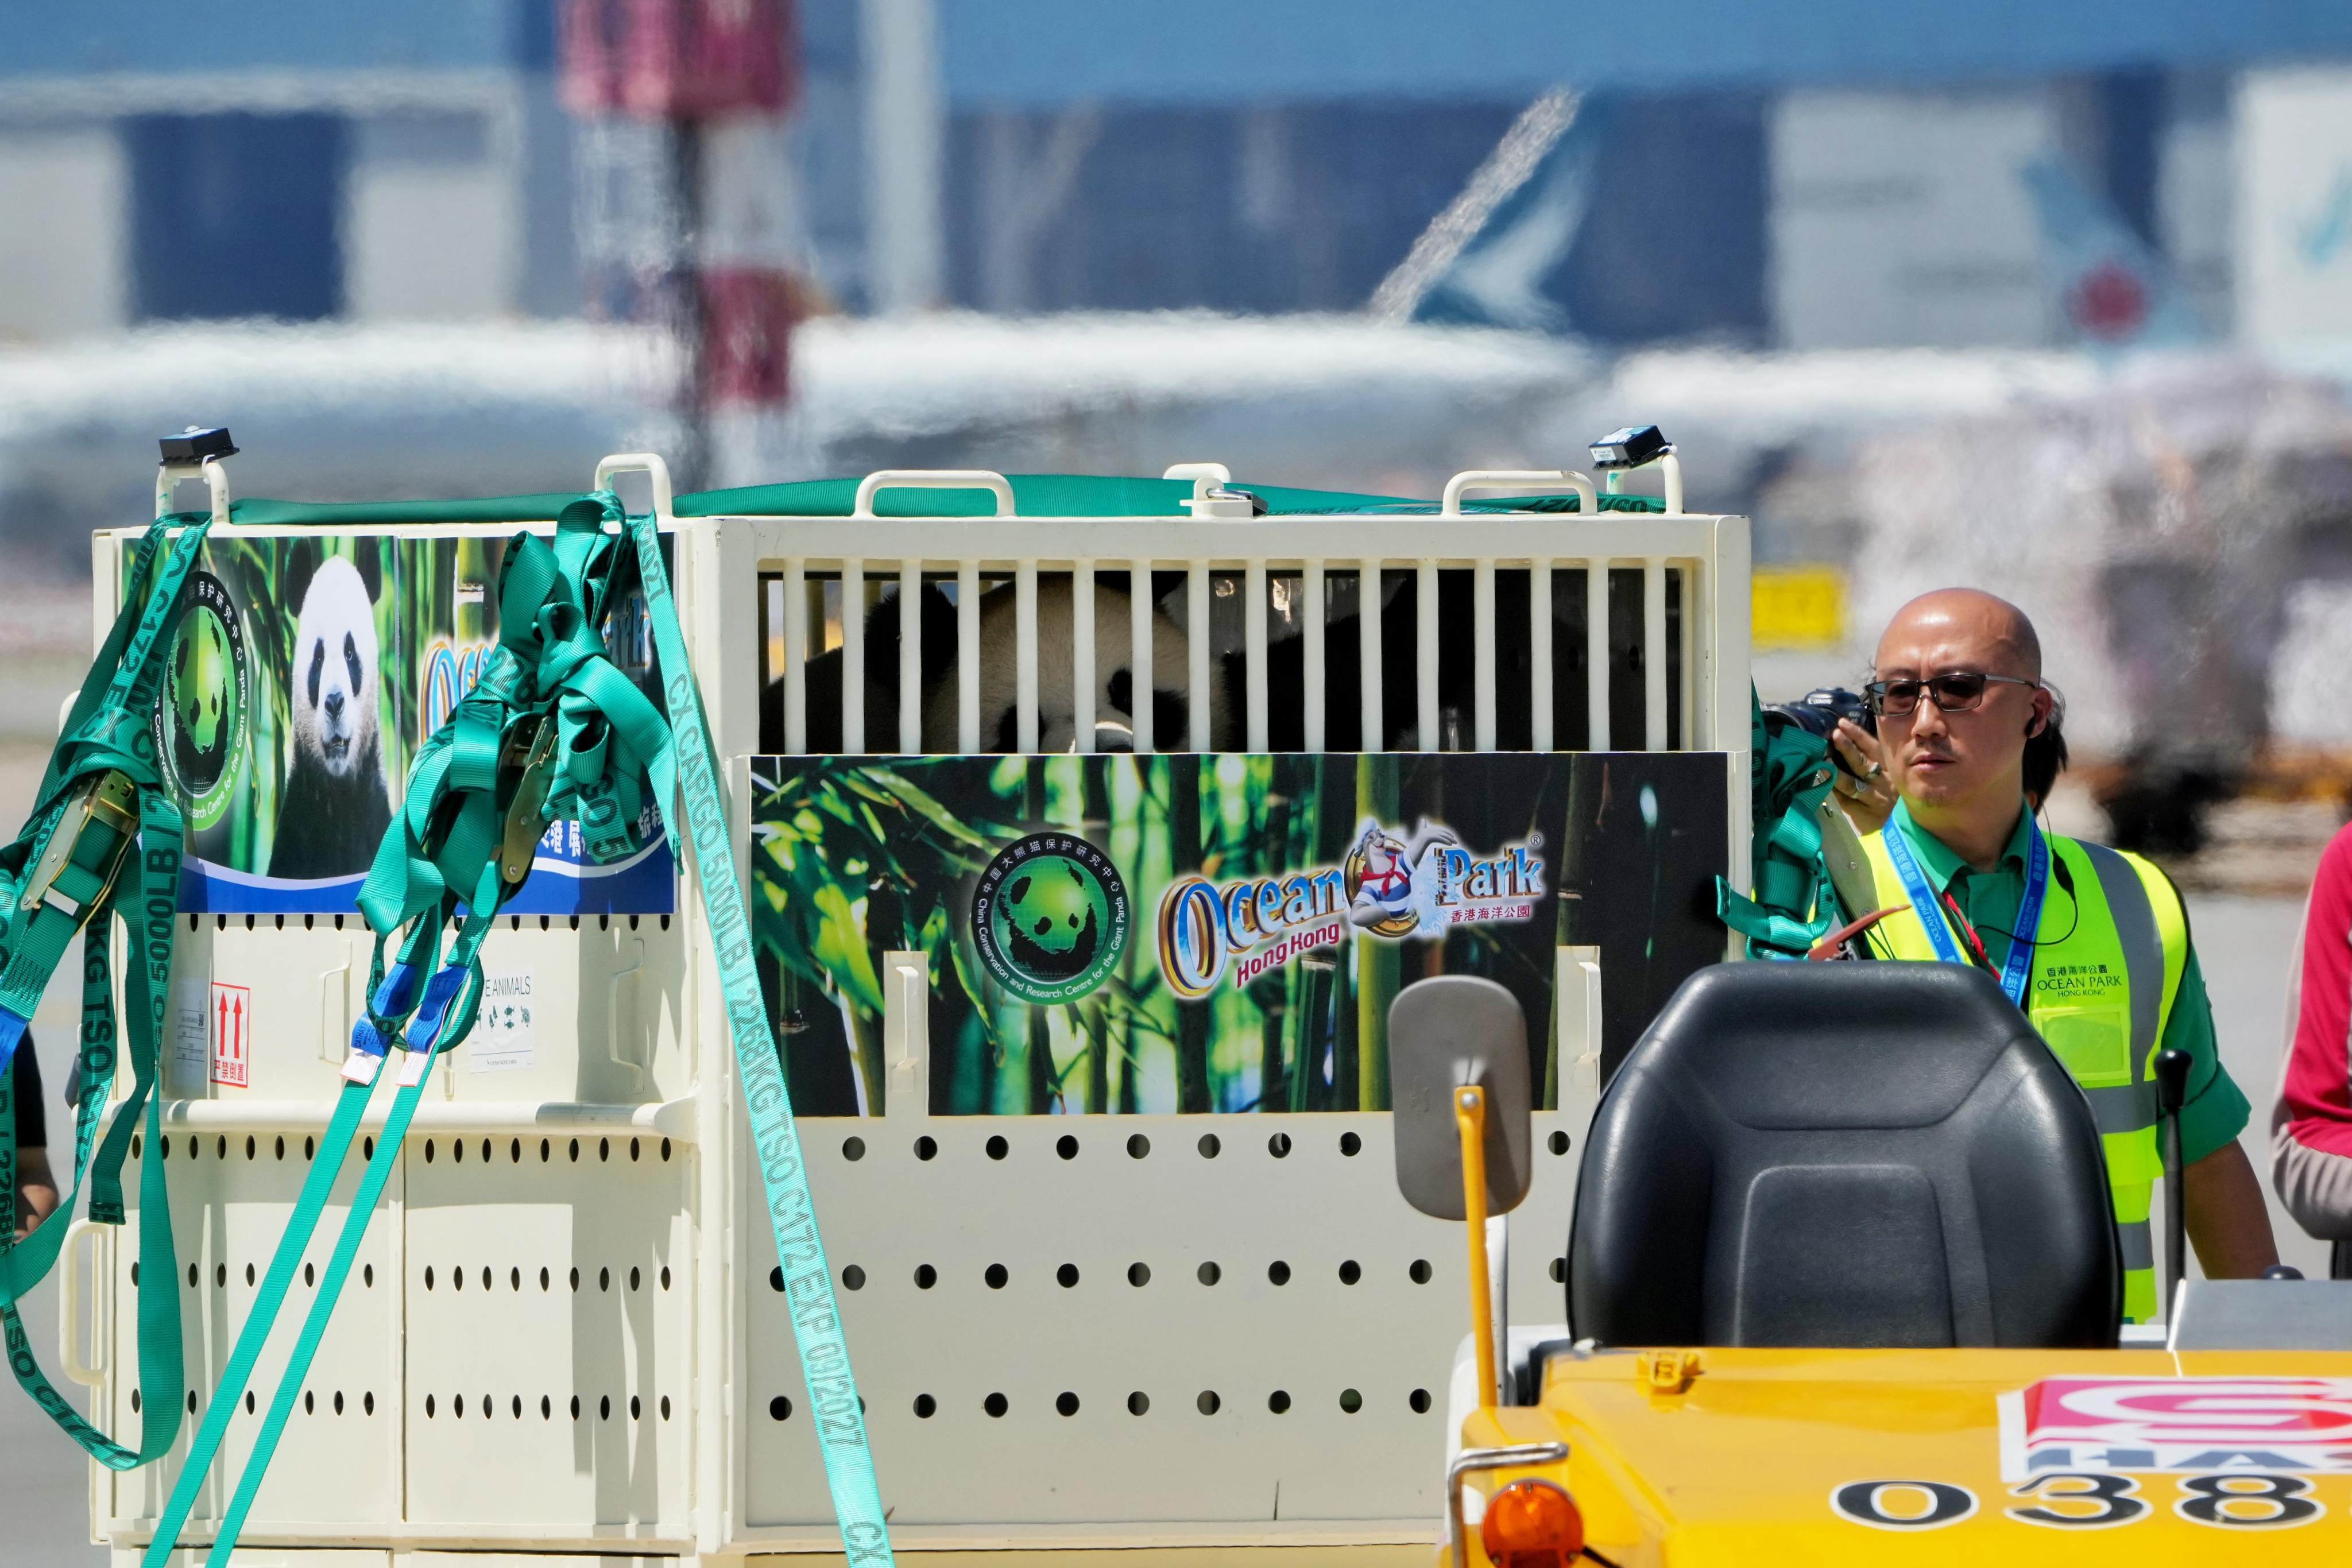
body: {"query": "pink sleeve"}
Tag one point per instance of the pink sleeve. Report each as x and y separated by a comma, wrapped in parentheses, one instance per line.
(2315, 1100)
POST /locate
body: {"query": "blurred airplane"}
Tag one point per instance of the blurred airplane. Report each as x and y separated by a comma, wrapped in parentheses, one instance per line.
(2105, 284)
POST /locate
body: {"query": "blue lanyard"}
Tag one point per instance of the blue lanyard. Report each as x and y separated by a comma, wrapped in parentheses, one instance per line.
(2019, 967)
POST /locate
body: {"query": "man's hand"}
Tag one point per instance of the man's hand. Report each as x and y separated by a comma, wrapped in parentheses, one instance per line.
(1867, 794)
(36, 1190)
(2227, 1220)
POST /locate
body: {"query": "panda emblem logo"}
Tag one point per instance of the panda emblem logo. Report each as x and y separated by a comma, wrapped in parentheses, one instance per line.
(1050, 918)
(199, 714)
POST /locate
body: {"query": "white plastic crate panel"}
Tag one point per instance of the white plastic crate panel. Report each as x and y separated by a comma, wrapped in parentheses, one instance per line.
(1043, 1377)
(605, 1027)
(272, 1557)
(549, 1284)
(231, 1195)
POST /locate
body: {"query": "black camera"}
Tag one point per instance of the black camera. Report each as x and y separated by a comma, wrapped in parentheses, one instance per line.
(1819, 710)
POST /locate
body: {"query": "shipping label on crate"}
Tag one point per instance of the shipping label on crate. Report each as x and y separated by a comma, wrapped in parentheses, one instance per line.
(232, 1026)
(1179, 933)
(303, 674)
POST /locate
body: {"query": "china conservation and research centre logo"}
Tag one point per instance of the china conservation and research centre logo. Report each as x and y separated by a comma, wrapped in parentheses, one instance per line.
(1050, 917)
(200, 713)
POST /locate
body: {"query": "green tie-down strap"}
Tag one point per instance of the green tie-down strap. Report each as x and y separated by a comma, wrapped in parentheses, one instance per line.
(552, 731)
(102, 806)
(1793, 905)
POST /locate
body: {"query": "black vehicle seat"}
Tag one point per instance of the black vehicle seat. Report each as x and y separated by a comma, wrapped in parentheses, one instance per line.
(1857, 1154)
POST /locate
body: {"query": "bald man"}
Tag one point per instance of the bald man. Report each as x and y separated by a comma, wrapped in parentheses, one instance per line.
(2104, 968)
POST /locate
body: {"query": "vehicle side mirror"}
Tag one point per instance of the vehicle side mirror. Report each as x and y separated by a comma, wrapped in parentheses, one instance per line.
(1444, 1033)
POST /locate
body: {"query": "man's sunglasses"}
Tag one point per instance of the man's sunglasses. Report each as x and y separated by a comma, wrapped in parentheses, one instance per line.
(1957, 692)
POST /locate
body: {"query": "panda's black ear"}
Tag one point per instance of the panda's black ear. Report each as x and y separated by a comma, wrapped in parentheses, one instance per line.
(370, 561)
(302, 564)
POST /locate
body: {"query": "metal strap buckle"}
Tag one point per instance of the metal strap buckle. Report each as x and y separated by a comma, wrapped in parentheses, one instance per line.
(534, 740)
(110, 799)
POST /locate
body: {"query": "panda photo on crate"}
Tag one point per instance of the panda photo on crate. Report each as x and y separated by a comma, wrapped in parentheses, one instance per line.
(335, 802)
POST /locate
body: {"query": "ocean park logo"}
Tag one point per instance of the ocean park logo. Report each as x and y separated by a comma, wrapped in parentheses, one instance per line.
(201, 714)
(1050, 918)
(450, 672)
(1388, 885)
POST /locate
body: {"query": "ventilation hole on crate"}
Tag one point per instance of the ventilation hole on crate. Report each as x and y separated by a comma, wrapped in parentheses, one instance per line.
(575, 1282)
(1558, 1142)
(514, 1279)
(1418, 1401)
(575, 1151)
(605, 1280)
(998, 1148)
(1419, 1271)
(1278, 1271)
(1137, 1146)
(367, 1148)
(248, 1145)
(996, 1276)
(134, 1273)
(664, 1150)
(546, 1408)
(633, 1150)
(542, 1280)
(1139, 1274)
(1209, 1273)
(428, 1407)
(310, 1276)
(310, 1403)
(1066, 1402)
(1277, 1401)
(1066, 1146)
(486, 1150)
(605, 1407)
(310, 1150)
(926, 1147)
(220, 1275)
(1350, 1273)
(281, 1147)
(486, 1278)
(514, 1152)
(220, 1147)
(134, 1145)
(1137, 1403)
(134, 1402)
(544, 1151)
(1208, 1145)
(664, 1277)
(428, 1151)
(1559, 1270)
(664, 1406)
(1350, 1145)
(575, 1408)
(994, 1404)
(1067, 1275)
(635, 1407)
(853, 1149)
(852, 1278)
(776, 1278)
(1278, 1145)
(192, 1148)
(780, 1408)
(457, 1406)
(603, 1149)
(456, 1150)
(1208, 1402)
(192, 1276)
(456, 1279)
(925, 1276)
(192, 1401)
(924, 1407)
(248, 1275)
(1350, 1401)
(367, 1276)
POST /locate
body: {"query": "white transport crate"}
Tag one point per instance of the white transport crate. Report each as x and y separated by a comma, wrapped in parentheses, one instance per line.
(1181, 1332)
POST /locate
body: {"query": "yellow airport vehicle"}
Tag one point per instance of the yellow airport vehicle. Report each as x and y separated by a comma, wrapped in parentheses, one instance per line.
(1900, 1303)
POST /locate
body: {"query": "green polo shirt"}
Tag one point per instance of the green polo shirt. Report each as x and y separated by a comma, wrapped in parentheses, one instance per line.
(2216, 1111)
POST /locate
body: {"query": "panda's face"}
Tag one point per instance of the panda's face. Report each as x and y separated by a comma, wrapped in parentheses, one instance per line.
(335, 669)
